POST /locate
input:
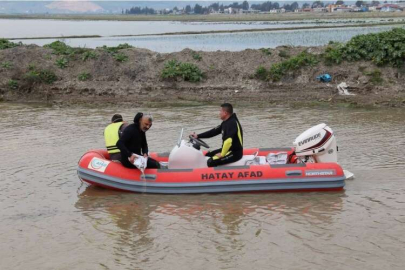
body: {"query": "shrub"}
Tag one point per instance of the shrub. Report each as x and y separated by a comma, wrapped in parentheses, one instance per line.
(278, 70)
(47, 76)
(196, 56)
(120, 57)
(5, 44)
(84, 76)
(60, 48)
(62, 62)
(89, 55)
(187, 71)
(375, 76)
(284, 54)
(44, 75)
(6, 65)
(266, 51)
(12, 84)
(385, 48)
(333, 54)
(114, 50)
(261, 73)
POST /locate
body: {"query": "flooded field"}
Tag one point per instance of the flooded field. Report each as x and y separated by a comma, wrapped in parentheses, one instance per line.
(224, 41)
(23, 28)
(50, 220)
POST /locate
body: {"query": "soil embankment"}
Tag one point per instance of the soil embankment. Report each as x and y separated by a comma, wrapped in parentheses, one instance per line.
(33, 73)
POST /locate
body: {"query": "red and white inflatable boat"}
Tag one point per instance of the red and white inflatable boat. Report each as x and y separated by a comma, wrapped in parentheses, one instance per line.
(310, 166)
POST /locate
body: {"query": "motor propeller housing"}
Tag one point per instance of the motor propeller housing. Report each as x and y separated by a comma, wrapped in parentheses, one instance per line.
(317, 142)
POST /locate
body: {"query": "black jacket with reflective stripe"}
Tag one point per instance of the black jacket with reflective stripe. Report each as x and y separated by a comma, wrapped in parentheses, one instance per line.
(229, 129)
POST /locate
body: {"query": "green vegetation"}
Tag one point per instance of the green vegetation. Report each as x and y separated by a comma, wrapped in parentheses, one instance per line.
(35, 75)
(196, 56)
(266, 51)
(5, 44)
(88, 55)
(261, 73)
(279, 70)
(120, 57)
(60, 48)
(375, 76)
(68, 53)
(62, 62)
(114, 51)
(284, 54)
(84, 76)
(189, 72)
(385, 48)
(12, 84)
(6, 65)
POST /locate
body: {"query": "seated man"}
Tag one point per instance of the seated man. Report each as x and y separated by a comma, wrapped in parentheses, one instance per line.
(133, 141)
(232, 138)
(112, 133)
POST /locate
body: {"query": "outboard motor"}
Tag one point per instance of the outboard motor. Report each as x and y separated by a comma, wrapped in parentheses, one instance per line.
(317, 142)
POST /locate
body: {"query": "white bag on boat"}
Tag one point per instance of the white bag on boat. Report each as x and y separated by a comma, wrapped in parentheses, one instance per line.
(277, 158)
(141, 162)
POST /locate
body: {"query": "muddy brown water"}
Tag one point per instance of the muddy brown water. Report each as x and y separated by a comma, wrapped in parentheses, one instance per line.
(50, 220)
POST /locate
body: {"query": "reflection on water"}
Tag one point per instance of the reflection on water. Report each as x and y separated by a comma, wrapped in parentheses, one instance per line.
(225, 42)
(148, 223)
(50, 220)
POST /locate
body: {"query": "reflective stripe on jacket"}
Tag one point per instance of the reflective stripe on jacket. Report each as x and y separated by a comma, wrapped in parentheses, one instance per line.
(111, 137)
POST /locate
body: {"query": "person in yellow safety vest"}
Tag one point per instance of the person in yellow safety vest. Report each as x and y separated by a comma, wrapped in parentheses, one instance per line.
(112, 134)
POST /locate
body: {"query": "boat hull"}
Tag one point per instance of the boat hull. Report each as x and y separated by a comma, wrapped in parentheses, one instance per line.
(95, 168)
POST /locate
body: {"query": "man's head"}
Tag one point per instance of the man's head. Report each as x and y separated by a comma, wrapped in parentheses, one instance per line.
(116, 118)
(226, 111)
(145, 123)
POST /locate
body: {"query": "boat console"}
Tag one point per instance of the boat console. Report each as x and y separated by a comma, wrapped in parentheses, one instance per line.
(317, 145)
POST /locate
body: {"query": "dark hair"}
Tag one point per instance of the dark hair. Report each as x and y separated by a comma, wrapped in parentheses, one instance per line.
(137, 117)
(116, 118)
(227, 107)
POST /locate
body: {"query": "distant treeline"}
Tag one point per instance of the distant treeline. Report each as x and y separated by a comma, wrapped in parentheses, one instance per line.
(216, 7)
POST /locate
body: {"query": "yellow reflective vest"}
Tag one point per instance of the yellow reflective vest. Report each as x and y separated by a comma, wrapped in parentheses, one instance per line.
(111, 137)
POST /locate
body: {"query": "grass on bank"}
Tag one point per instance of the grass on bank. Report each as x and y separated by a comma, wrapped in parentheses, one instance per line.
(6, 44)
(385, 48)
(187, 71)
(84, 76)
(6, 65)
(35, 75)
(279, 70)
(12, 84)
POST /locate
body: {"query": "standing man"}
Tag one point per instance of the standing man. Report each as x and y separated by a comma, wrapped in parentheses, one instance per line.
(133, 141)
(232, 138)
(112, 133)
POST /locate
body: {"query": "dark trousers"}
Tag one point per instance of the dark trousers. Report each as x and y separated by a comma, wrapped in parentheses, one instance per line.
(152, 164)
(231, 157)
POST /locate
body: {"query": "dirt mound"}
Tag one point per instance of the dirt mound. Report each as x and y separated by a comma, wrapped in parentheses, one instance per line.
(134, 75)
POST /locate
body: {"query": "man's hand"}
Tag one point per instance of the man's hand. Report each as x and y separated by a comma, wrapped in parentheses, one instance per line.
(194, 135)
(219, 155)
(132, 158)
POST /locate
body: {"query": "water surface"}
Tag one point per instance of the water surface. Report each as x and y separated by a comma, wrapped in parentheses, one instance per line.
(50, 220)
(224, 41)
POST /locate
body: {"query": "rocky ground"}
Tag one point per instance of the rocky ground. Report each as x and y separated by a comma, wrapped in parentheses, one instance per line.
(228, 76)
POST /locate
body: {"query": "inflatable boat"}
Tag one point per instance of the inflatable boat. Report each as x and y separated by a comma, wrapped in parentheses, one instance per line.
(311, 165)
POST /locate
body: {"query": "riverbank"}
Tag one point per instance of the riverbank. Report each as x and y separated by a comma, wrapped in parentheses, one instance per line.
(134, 76)
(212, 17)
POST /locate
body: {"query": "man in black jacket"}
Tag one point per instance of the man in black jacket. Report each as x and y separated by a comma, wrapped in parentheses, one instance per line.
(232, 138)
(133, 141)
